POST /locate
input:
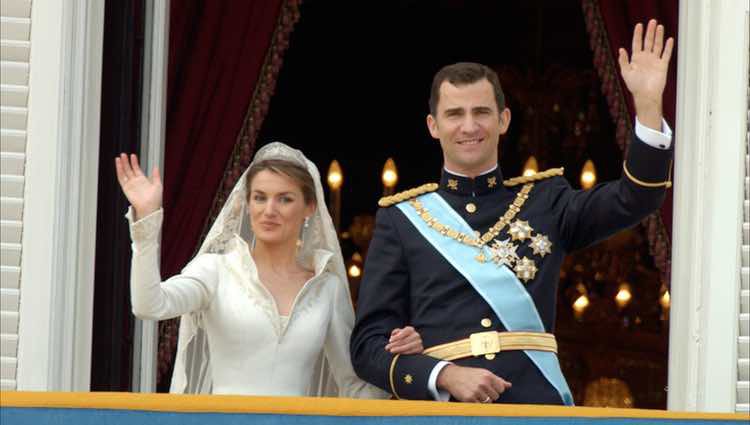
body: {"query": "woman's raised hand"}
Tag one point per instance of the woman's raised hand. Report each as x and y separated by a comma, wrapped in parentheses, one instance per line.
(405, 340)
(143, 193)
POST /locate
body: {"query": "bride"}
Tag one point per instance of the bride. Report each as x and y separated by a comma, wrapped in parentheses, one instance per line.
(265, 303)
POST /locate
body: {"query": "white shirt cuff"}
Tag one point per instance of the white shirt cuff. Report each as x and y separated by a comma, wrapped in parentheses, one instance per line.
(439, 395)
(655, 139)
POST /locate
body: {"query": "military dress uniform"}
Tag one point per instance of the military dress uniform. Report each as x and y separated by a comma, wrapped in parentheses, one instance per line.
(407, 281)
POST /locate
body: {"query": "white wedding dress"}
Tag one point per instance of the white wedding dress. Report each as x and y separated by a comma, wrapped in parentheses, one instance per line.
(250, 349)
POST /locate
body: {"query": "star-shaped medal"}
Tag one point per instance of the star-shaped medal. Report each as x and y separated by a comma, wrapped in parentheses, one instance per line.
(541, 245)
(520, 230)
(525, 269)
(504, 252)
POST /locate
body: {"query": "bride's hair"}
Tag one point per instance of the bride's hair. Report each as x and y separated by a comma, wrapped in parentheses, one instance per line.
(290, 169)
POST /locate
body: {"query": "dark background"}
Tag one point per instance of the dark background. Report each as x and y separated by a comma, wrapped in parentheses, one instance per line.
(356, 79)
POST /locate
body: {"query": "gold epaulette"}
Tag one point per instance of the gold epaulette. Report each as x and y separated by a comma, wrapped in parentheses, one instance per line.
(534, 177)
(387, 201)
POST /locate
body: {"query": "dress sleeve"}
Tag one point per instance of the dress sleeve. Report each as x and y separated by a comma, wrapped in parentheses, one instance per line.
(337, 347)
(152, 299)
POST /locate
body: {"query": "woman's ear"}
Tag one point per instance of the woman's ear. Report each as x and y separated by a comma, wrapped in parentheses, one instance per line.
(310, 209)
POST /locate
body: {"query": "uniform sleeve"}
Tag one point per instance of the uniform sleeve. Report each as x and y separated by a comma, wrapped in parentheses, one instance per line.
(588, 216)
(336, 348)
(382, 306)
(153, 299)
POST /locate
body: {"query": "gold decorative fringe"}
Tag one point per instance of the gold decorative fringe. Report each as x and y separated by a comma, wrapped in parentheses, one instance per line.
(534, 177)
(387, 201)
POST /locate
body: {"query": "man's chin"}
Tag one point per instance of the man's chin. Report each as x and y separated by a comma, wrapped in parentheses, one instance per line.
(474, 165)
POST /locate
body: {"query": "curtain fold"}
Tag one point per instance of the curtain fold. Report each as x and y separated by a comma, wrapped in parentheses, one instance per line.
(610, 26)
(224, 57)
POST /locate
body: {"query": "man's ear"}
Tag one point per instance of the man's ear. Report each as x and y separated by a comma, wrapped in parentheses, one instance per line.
(432, 126)
(504, 120)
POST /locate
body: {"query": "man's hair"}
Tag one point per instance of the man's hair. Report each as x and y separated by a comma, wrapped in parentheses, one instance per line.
(464, 73)
(279, 166)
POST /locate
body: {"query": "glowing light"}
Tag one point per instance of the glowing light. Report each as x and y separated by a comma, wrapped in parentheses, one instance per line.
(623, 296)
(588, 175)
(335, 175)
(581, 303)
(530, 167)
(390, 174)
(665, 300)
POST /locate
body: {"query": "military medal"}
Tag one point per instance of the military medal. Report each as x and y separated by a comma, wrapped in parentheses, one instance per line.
(525, 269)
(520, 230)
(504, 252)
(541, 245)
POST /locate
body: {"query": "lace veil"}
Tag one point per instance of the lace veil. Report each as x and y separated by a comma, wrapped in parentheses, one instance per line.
(192, 368)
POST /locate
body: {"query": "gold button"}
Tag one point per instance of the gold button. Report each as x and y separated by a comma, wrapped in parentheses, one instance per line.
(489, 356)
(486, 322)
(471, 208)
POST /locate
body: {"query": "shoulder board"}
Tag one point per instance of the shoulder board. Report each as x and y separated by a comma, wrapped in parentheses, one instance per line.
(387, 201)
(534, 177)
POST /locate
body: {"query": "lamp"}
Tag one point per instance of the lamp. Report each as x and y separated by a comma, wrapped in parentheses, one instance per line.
(354, 271)
(335, 181)
(665, 300)
(389, 177)
(608, 392)
(530, 167)
(581, 302)
(335, 176)
(588, 175)
(623, 296)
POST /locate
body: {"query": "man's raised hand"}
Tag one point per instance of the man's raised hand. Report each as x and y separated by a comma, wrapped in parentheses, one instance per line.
(645, 72)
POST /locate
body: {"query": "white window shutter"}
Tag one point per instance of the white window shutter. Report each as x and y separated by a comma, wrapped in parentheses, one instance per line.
(743, 343)
(15, 27)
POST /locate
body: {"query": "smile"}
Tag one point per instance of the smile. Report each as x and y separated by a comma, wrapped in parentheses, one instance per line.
(469, 142)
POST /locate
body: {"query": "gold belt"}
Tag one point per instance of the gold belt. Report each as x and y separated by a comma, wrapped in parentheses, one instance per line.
(490, 342)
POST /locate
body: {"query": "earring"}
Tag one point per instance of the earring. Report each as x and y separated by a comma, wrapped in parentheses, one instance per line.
(305, 225)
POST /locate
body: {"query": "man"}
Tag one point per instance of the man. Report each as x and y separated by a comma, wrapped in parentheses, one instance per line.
(473, 263)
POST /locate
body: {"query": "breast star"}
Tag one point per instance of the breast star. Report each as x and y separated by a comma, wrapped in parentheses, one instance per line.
(525, 269)
(520, 230)
(541, 245)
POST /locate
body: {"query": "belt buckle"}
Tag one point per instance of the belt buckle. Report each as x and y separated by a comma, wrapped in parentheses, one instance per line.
(484, 343)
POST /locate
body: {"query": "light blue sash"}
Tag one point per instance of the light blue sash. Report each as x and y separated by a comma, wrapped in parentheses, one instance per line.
(497, 285)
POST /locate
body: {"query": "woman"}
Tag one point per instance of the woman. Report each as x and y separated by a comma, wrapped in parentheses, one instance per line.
(265, 305)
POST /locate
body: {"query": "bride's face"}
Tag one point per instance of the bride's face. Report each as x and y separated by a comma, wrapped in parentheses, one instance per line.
(277, 208)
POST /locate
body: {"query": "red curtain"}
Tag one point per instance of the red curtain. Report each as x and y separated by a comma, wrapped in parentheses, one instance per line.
(223, 60)
(610, 26)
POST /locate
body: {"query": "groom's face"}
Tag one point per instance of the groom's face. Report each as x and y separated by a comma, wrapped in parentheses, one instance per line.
(469, 125)
(277, 208)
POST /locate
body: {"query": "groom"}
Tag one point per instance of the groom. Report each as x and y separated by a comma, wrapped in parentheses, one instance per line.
(473, 262)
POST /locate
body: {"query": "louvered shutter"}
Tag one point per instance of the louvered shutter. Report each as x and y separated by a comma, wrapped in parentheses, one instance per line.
(743, 355)
(14, 60)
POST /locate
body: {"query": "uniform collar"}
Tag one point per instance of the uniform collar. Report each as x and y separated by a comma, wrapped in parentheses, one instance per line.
(458, 184)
